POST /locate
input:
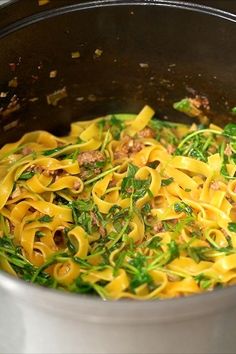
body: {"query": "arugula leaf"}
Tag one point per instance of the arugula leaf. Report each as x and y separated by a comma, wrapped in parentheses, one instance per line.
(230, 130)
(198, 154)
(83, 212)
(183, 207)
(131, 170)
(153, 164)
(131, 186)
(141, 275)
(119, 262)
(46, 218)
(140, 278)
(39, 234)
(146, 209)
(197, 253)
(203, 281)
(232, 226)
(155, 242)
(167, 182)
(83, 205)
(157, 124)
(82, 287)
(174, 250)
(177, 228)
(186, 106)
(116, 127)
(224, 172)
(21, 265)
(71, 247)
(26, 175)
(6, 242)
(101, 124)
(52, 151)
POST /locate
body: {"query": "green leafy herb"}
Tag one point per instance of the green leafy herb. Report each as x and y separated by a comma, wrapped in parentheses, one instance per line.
(179, 226)
(116, 127)
(82, 287)
(173, 250)
(224, 172)
(167, 182)
(230, 130)
(26, 175)
(101, 175)
(39, 234)
(197, 143)
(155, 242)
(53, 151)
(198, 154)
(82, 214)
(71, 247)
(146, 209)
(157, 124)
(21, 265)
(101, 125)
(4, 225)
(197, 253)
(203, 281)
(186, 106)
(153, 164)
(183, 207)
(119, 261)
(232, 226)
(131, 186)
(46, 218)
(132, 170)
(86, 214)
(141, 275)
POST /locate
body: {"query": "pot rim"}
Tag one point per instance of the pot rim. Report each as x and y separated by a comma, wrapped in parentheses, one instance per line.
(57, 11)
(95, 309)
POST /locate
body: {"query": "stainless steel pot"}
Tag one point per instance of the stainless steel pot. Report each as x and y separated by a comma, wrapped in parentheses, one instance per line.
(186, 48)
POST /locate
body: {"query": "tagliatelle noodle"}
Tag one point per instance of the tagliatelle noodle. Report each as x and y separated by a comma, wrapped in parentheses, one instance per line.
(121, 207)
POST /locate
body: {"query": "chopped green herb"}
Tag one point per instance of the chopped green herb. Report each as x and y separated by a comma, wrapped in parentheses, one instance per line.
(132, 186)
(141, 275)
(146, 209)
(26, 175)
(39, 234)
(173, 250)
(116, 127)
(230, 130)
(167, 182)
(232, 226)
(203, 281)
(198, 253)
(183, 207)
(155, 242)
(46, 218)
(52, 151)
(186, 106)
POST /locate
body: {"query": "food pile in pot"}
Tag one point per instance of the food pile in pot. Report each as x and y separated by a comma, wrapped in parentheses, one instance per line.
(124, 206)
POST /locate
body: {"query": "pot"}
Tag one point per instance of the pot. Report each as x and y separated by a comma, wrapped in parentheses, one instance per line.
(112, 56)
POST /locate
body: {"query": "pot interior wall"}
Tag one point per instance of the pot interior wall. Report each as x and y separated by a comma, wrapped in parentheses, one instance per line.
(129, 56)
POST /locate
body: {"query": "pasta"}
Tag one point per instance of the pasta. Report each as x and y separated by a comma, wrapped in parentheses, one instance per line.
(124, 206)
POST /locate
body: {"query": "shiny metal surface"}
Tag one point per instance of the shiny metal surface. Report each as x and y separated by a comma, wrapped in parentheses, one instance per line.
(37, 320)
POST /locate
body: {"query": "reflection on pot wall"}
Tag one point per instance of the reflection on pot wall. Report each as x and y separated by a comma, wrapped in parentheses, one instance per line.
(47, 333)
(12, 325)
